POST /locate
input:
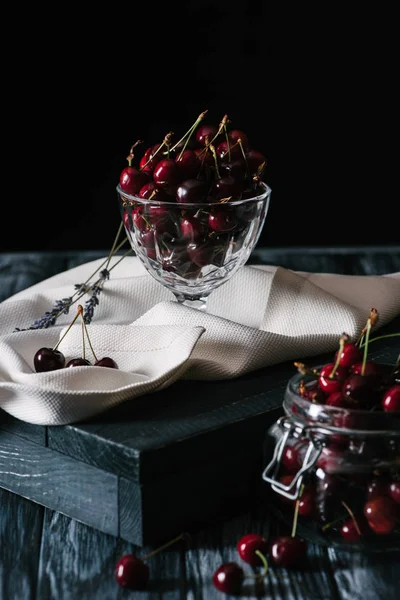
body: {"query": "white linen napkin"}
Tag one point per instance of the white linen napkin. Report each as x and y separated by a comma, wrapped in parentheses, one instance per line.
(262, 316)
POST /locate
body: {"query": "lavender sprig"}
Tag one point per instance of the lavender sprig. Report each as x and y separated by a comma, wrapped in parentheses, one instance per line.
(62, 306)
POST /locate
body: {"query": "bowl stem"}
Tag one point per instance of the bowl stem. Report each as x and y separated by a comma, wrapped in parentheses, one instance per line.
(198, 302)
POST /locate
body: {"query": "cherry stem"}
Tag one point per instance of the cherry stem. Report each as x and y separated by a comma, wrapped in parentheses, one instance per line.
(189, 134)
(215, 160)
(381, 337)
(85, 330)
(328, 525)
(227, 143)
(83, 339)
(246, 162)
(131, 156)
(342, 342)
(352, 516)
(114, 243)
(364, 362)
(153, 155)
(296, 511)
(304, 370)
(150, 554)
(264, 561)
(79, 312)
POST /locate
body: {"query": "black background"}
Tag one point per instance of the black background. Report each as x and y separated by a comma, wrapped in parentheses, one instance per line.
(315, 93)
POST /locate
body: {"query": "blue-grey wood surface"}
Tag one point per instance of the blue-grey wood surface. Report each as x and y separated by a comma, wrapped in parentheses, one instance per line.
(45, 555)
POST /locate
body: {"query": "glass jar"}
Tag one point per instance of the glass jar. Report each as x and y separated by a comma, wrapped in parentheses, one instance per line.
(338, 469)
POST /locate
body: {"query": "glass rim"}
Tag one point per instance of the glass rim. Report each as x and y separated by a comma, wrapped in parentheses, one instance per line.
(263, 196)
(390, 420)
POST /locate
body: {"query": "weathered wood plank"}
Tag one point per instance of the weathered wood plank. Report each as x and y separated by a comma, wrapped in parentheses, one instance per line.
(77, 561)
(34, 433)
(59, 482)
(20, 539)
(366, 576)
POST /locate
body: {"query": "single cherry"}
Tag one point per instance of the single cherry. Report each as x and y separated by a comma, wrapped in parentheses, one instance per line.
(331, 378)
(48, 359)
(291, 458)
(188, 163)
(192, 191)
(131, 180)
(391, 399)
(287, 551)
(249, 545)
(132, 573)
(349, 354)
(167, 175)
(394, 491)
(228, 578)
(78, 362)
(106, 361)
(221, 219)
(205, 134)
(381, 514)
(235, 134)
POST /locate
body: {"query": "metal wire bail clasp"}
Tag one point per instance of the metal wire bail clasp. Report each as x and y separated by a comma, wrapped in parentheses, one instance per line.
(291, 429)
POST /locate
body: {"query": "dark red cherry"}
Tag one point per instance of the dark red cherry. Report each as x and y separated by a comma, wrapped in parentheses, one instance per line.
(106, 361)
(227, 187)
(205, 157)
(150, 159)
(381, 514)
(353, 531)
(138, 219)
(338, 400)
(167, 175)
(78, 362)
(192, 191)
(205, 134)
(235, 134)
(192, 228)
(132, 573)
(360, 388)
(228, 151)
(131, 180)
(291, 457)
(331, 384)
(287, 551)
(235, 168)
(307, 503)
(394, 491)
(371, 369)
(228, 578)
(349, 355)
(391, 399)
(188, 164)
(254, 160)
(151, 192)
(248, 545)
(221, 219)
(47, 359)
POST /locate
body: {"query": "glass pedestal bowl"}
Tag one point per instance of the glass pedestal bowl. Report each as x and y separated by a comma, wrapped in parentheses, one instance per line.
(193, 248)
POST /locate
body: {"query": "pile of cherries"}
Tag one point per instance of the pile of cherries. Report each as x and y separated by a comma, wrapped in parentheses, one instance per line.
(286, 551)
(352, 492)
(52, 359)
(179, 196)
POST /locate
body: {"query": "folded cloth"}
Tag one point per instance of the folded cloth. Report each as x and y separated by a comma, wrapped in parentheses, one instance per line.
(262, 316)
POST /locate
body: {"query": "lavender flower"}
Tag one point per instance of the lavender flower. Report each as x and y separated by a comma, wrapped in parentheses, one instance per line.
(93, 301)
(50, 316)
